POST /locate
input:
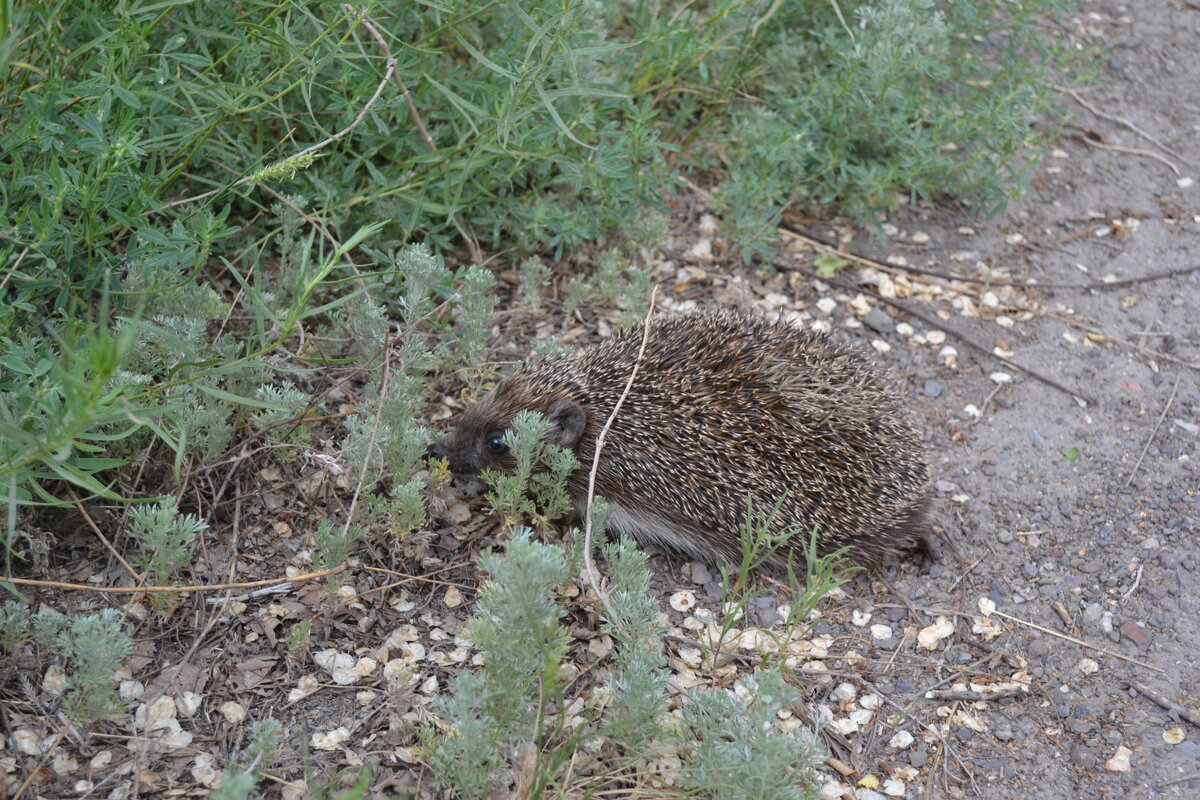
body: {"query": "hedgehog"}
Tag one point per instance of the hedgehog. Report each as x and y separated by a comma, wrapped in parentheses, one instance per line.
(728, 413)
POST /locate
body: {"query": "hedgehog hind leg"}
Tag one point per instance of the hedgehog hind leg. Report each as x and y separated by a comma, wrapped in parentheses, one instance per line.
(912, 533)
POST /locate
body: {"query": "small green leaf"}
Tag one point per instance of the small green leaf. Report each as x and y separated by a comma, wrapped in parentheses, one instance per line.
(1071, 454)
(829, 265)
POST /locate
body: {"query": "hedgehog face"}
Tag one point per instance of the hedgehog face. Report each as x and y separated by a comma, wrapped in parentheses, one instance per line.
(478, 443)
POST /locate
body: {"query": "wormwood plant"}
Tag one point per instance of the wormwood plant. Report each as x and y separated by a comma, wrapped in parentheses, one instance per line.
(862, 102)
(164, 535)
(737, 751)
(92, 647)
(537, 489)
(512, 722)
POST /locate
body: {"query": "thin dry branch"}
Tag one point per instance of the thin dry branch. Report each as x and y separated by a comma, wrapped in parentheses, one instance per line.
(104, 539)
(407, 95)
(211, 587)
(1191, 715)
(1122, 121)
(833, 249)
(1133, 151)
(942, 326)
(1154, 432)
(1079, 642)
(589, 561)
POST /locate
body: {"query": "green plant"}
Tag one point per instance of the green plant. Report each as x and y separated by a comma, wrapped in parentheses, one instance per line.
(93, 647)
(510, 722)
(613, 281)
(15, 622)
(332, 544)
(822, 574)
(298, 638)
(913, 99)
(509, 719)
(164, 535)
(537, 488)
(239, 779)
(738, 753)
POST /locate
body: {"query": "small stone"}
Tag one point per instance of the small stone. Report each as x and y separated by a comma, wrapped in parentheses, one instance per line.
(1079, 726)
(1036, 438)
(1004, 536)
(1136, 634)
(878, 320)
(932, 388)
(1189, 749)
(1083, 756)
(1119, 761)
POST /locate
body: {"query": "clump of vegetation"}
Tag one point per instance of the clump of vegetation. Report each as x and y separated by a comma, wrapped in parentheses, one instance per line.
(537, 489)
(513, 722)
(168, 171)
(163, 535)
(92, 649)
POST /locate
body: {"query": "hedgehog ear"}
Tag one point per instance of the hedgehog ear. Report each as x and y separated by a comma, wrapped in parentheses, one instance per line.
(567, 421)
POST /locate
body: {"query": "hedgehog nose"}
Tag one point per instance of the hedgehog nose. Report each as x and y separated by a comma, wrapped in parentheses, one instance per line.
(434, 451)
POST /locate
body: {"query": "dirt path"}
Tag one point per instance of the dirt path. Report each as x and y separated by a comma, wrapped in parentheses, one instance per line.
(1119, 556)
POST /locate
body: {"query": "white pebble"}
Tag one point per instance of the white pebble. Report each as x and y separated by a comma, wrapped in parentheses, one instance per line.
(827, 305)
(881, 632)
(935, 337)
(901, 740)
(860, 618)
(684, 600)
(904, 329)
(881, 346)
(1000, 377)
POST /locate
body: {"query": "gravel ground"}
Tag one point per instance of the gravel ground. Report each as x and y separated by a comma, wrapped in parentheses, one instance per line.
(1108, 534)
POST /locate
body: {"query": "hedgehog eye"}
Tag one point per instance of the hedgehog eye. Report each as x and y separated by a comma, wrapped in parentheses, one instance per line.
(496, 444)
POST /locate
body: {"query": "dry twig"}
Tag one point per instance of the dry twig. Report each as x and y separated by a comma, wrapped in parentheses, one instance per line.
(834, 249)
(210, 587)
(1191, 715)
(589, 561)
(1122, 121)
(1079, 642)
(1154, 432)
(940, 325)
